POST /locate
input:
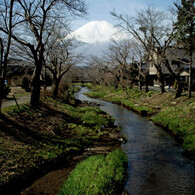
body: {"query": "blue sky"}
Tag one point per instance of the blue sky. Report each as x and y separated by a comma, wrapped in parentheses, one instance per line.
(99, 9)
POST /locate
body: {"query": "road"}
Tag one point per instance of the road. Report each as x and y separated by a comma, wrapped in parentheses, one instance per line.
(26, 98)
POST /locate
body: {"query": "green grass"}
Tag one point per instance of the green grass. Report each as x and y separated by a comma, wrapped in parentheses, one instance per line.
(41, 136)
(184, 127)
(22, 94)
(16, 157)
(97, 175)
(126, 97)
(91, 116)
(14, 110)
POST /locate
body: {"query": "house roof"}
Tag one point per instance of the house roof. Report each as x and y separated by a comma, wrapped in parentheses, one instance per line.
(19, 70)
(178, 54)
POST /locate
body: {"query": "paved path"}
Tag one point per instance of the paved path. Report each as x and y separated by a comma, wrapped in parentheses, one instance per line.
(11, 102)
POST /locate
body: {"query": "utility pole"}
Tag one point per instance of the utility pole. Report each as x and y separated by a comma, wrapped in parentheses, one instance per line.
(1, 58)
(1, 72)
(140, 71)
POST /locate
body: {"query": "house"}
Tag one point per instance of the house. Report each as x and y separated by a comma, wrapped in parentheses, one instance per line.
(16, 71)
(179, 62)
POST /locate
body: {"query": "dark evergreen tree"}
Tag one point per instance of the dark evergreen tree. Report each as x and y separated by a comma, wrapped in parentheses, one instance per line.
(185, 34)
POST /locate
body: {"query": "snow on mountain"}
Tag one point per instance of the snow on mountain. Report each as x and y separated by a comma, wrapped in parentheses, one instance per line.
(96, 31)
(95, 36)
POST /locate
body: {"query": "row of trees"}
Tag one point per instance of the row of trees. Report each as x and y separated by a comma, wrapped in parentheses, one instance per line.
(33, 29)
(152, 35)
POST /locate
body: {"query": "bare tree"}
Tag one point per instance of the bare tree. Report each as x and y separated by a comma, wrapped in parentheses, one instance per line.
(119, 61)
(6, 16)
(150, 29)
(59, 57)
(109, 66)
(95, 72)
(142, 66)
(120, 53)
(32, 19)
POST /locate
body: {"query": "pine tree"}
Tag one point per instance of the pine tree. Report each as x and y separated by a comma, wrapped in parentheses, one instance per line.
(185, 33)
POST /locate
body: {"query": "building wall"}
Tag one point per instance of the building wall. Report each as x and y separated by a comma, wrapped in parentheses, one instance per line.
(152, 70)
(177, 58)
(16, 80)
(8, 80)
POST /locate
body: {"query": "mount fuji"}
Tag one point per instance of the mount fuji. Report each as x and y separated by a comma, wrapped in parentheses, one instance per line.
(96, 32)
(95, 37)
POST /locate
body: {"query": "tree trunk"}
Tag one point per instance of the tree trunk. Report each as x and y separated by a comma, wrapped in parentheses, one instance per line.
(178, 91)
(117, 81)
(116, 85)
(162, 86)
(3, 69)
(1, 74)
(56, 88)
(1, 100)
(139, 74)
(140, 82)
(36, 86)
(146, 79)
(146, 83)
(179, 86)
(161, 81)
(140, 85)
(190, 81)
(190, 71)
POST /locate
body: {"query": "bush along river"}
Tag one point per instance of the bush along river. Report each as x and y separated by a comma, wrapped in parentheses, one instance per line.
(156, 164)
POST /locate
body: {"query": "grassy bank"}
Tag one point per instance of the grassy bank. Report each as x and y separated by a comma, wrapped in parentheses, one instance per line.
(97, 175)
(32, 138)
(177, 115)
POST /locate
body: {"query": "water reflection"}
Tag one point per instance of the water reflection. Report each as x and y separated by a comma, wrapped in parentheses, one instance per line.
(155, 161)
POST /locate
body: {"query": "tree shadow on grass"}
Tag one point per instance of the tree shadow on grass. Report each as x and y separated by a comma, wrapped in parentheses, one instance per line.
(24, 134)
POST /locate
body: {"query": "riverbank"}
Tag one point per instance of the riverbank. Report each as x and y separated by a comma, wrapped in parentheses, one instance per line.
(175, 115)
(98, 174)
(34, 142)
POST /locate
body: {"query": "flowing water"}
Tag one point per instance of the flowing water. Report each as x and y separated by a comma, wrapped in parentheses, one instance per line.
(156, 164)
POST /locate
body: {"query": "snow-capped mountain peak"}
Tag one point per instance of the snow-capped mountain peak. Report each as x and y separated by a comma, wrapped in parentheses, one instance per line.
(96, 31)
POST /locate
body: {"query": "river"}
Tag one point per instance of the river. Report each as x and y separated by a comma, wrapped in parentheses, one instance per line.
(156, 164)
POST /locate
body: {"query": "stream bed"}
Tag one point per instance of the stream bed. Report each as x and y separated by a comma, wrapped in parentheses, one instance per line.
(156, 164)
